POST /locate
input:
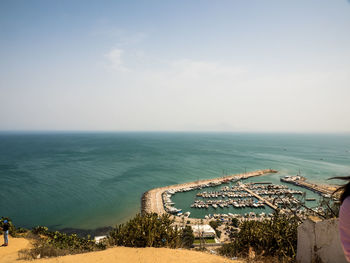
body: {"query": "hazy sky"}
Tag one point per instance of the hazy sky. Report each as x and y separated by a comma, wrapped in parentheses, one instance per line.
(257, 66)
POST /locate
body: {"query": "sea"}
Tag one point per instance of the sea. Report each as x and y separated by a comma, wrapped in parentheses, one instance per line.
(87, 180)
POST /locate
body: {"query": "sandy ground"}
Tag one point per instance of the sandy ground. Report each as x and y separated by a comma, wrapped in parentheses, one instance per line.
(117, 255)
(10, 253)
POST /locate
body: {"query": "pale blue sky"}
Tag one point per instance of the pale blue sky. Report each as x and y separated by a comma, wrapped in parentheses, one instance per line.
(257, 66)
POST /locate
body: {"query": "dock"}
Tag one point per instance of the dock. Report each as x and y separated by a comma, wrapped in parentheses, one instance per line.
(152, 201)
(258, 197)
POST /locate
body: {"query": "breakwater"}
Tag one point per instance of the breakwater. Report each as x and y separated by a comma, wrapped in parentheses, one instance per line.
(301, 182)
(152, 200)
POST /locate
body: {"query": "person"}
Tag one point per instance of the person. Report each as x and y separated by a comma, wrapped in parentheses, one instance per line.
(344, 217)
(5, 228)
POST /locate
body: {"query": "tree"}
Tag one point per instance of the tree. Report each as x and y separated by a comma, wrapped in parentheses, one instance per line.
(187, 237)
(235, 222)
(214, 224)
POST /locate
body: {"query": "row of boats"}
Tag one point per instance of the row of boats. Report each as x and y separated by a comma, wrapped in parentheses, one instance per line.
(302, 214)
(216, 194)
(227, 216)
(237, 203)
(239, 192)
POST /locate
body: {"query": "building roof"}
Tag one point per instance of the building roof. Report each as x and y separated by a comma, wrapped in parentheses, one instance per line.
(204, 230)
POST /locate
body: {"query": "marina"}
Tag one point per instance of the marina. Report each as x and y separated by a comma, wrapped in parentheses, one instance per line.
(158, 200)
(231, 196)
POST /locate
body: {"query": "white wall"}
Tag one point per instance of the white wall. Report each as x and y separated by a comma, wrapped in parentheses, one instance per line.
(319, 242)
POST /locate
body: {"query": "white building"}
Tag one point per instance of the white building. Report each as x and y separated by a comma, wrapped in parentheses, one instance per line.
(203, 231)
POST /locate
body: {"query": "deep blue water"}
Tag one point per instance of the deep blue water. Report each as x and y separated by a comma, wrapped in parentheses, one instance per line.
(89, 180)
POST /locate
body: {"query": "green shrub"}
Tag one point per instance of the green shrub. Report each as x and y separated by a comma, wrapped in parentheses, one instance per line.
(275, 237)
(54, 243)
(148, 230)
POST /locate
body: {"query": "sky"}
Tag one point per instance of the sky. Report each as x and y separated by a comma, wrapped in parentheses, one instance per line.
(232, 66)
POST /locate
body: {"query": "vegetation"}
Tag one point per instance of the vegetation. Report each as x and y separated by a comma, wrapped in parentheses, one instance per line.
(235, 222)
(204, 240)
(276, 237)
(149, 230)
(187, 237)
(215, 224)
(52, 244)
(12, 229)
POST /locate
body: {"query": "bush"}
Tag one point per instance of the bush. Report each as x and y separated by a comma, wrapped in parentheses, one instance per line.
(275, 237)
(42, 250)
(52, 244)
(148, 230)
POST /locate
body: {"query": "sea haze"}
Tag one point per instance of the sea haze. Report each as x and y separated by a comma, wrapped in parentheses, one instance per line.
(90, 180)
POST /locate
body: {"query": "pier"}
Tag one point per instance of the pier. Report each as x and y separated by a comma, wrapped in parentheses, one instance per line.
(258, 197)
(152, 200)
(301, 182)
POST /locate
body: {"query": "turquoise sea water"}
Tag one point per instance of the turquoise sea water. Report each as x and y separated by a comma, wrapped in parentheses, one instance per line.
(90, 180)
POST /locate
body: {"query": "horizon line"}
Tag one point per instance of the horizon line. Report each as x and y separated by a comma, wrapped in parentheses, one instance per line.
(176, 131)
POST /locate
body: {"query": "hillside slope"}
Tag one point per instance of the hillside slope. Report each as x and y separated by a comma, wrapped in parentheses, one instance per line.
(117, 255)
